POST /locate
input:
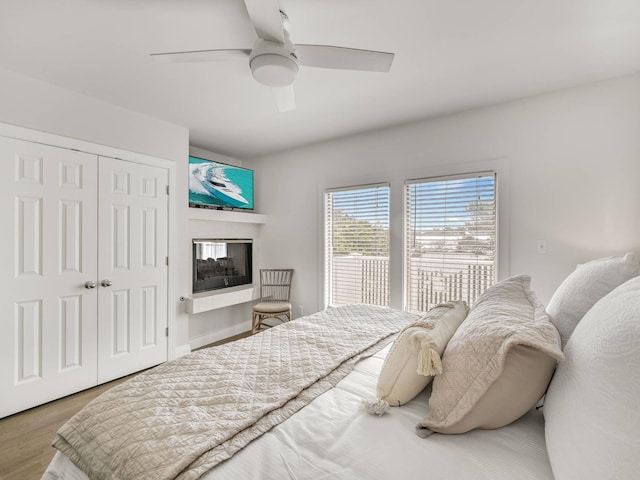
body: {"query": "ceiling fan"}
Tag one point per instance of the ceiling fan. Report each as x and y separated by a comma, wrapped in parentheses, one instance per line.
(274, 60)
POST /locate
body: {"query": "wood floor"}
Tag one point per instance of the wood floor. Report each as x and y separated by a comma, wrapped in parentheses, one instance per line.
(25, 438)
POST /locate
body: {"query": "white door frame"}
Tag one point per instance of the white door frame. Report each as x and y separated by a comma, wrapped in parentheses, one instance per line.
(36, 136)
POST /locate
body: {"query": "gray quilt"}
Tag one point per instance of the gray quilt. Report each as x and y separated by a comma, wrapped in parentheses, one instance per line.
(183, 417)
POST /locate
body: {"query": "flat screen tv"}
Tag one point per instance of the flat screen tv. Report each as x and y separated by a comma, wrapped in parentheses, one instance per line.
(218, 185)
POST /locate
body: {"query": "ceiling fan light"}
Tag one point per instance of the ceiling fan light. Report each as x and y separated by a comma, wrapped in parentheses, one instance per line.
(273, 70)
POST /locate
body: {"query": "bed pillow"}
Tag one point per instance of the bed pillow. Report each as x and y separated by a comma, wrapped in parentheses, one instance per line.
(592, 427)
(414, 357)
(584, 287)
(497, 365)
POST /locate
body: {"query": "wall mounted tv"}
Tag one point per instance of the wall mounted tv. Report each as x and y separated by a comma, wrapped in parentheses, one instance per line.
(218, 185)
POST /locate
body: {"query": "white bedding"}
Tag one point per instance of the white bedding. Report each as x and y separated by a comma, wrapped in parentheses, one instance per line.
(334, 438)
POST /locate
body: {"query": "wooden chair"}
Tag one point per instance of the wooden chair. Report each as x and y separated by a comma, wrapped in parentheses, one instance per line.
(275, 292)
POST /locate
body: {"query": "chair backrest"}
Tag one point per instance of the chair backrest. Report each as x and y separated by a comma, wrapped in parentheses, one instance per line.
(275, 284)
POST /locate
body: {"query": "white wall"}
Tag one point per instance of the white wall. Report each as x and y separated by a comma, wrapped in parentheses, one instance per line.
(208, 327)
(572, 160)
(36, 105)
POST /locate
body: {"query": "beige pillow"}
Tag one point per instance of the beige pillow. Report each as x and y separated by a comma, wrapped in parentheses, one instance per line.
(497, 365)
(414, 357)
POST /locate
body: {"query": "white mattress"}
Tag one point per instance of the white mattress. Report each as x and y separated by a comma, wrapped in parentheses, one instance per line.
(335, 438)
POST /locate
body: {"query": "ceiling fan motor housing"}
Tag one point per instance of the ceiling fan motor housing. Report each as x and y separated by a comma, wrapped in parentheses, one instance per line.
(274, 64)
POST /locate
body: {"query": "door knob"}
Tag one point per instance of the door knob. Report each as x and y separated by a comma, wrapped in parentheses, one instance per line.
(89, 284)
(106, 282)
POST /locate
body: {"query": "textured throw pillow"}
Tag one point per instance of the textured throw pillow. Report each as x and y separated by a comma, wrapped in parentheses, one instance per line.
(584, 287)
(592, 428)
(497, 365)
(414, 357)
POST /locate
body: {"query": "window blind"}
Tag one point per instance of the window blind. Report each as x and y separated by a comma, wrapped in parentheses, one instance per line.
(450, 239)
(357, 245)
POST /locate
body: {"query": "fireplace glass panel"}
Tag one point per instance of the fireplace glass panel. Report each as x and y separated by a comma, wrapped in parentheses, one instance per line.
(221, 264)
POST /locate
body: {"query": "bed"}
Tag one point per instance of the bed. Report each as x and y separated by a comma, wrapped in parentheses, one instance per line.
(318, 442)
(325, 431)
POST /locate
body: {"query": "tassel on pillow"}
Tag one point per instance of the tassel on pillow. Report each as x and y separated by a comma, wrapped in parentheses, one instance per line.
(429, 361)
(376, 407)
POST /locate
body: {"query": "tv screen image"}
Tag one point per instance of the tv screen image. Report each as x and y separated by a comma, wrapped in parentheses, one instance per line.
(217, 185)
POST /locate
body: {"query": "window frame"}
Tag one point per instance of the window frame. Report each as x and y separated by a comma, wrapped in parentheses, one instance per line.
(499, 235)
(327, 292)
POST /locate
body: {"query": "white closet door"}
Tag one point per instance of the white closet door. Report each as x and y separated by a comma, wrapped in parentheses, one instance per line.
(132, 269)
(48, 243)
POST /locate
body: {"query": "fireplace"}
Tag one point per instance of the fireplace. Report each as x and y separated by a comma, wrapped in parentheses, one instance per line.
(221, 263)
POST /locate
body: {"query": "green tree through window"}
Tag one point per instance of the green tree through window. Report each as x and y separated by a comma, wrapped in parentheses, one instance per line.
(357, 246)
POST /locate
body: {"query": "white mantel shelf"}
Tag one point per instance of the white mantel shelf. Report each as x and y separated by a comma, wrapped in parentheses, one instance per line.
(204, 302)
(225, 216)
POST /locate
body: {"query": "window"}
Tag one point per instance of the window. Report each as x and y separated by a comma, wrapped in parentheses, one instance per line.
(450, 239)
(357, 246)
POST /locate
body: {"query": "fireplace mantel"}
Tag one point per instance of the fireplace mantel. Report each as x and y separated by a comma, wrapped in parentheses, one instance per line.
(226, 216)
(203, 302)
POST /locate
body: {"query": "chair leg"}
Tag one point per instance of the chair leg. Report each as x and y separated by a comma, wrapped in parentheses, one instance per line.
(255, 322)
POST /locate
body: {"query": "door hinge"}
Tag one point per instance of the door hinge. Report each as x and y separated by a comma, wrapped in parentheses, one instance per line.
(166, 261)
(166, 331)
(167, 189)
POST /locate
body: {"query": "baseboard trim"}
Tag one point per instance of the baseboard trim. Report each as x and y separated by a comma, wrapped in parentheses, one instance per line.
(212, 337)
(182, 350)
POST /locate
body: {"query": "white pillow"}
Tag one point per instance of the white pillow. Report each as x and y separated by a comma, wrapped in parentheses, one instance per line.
(591, 410)
(584, 287)
(414, 357)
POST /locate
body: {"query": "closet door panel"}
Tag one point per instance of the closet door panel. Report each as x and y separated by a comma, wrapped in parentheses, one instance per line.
(132, 267)
(48, 318)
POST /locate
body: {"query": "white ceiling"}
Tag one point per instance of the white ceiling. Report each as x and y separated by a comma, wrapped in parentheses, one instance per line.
(451, 55)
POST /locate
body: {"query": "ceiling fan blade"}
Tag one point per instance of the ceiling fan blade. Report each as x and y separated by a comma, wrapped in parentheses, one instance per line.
(328, 56)
(285, 98)
(266, 19)
(201, 56)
